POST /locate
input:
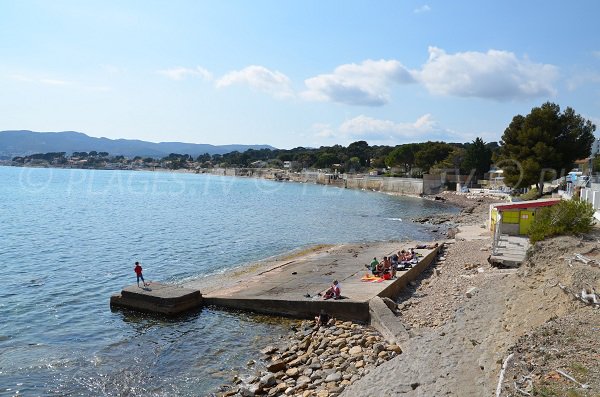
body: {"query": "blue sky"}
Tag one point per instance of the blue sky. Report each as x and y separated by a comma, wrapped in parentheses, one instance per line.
(294, 73)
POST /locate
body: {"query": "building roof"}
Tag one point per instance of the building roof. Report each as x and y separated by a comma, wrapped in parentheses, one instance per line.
(526, 204)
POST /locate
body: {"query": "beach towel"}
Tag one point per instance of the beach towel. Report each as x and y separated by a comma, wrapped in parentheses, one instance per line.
(371, 279)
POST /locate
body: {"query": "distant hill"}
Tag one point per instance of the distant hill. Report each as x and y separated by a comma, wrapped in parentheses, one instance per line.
(21, 143)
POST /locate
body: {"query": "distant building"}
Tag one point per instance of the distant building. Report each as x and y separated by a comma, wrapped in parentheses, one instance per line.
(258, 164)
(595, 147)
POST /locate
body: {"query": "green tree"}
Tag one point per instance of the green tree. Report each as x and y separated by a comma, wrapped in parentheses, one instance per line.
(352, 165)
(403, 156)
(431, 153)
(360, 150)
(540, 146)
(453, 162)
(326, 160)
(478, 158)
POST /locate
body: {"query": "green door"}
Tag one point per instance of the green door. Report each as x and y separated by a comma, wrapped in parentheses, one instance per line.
(525, 219)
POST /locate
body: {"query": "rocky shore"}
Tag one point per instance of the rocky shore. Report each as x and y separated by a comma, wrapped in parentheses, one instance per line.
(463, 318)
(316, 362)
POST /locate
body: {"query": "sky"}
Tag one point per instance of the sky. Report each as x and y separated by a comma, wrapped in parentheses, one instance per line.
(294, 73)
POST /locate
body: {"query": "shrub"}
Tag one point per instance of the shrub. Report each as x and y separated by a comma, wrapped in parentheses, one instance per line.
(566, 217)
(532, 194)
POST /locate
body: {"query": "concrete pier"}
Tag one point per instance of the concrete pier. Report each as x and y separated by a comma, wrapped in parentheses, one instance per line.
(158, 298)
(291, 288)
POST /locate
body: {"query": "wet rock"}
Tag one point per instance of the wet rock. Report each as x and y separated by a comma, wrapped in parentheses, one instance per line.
(249, 390)
(269, 350)
(267, 380)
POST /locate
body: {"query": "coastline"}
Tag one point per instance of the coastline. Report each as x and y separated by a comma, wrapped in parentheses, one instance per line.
(271, 174)
(463, 318)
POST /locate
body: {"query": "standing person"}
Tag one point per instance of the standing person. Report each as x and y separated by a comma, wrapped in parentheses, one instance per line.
(138, 272)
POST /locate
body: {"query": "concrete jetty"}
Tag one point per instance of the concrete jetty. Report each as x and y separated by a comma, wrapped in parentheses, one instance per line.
(294, 287)
(158, 298)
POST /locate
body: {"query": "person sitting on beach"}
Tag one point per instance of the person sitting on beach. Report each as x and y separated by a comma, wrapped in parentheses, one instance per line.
(395, 261)
(373, 266)
(402, 255)
(323, 320)
(388, 271)
(379, 269)
(334, 291)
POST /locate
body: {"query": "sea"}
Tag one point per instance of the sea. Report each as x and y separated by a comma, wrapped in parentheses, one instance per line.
(69, 239)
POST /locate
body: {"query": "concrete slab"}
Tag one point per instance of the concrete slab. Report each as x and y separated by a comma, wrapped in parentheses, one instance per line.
(510, 251)
(158, 298)
(293, 288)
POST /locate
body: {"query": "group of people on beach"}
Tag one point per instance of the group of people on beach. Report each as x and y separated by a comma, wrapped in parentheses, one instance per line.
(403, 260)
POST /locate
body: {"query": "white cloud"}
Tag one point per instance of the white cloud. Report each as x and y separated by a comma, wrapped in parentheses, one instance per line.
(260, 78)
(323, 130)
(583, 78)
(423, 8)
(494, 74)
(364, 84)
(596, 54)
(378, 131)
(180, 73)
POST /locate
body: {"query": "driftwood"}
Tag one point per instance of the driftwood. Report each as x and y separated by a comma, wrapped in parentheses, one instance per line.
(583, 259)
(502, 371)
(587, 297)
(582, 385)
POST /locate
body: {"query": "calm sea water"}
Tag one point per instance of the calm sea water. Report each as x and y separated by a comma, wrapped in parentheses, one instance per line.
(69, 239)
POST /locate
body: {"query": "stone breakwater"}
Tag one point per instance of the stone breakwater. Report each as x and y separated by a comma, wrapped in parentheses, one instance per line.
(316, 362)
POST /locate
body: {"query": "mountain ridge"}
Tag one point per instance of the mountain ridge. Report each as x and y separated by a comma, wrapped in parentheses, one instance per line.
(25, 142)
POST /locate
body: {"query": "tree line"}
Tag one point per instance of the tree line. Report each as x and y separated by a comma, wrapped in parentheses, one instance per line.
(536, 148)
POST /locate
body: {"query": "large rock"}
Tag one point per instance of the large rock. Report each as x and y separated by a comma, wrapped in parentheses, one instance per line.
(276, 366)
(269, 350)
(267, 381)
(334, 377)
(355, 350)
(292, 372)
(302, 381)
(249, 390)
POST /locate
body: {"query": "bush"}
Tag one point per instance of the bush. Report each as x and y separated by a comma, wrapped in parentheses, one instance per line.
(532, 194)
(566, 217)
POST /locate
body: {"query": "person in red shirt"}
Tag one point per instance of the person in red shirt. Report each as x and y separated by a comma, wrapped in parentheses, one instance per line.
(138, 271)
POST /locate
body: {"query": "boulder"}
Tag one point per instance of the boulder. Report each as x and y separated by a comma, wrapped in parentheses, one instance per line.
(334, 377)
(267, 380)
(269, 350)
(292, 372)
(355, 350)
(276, 366)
